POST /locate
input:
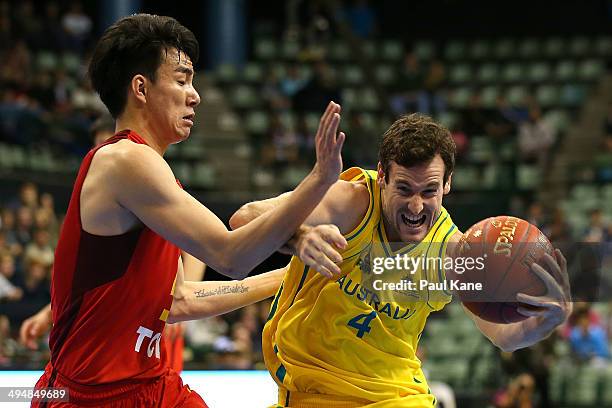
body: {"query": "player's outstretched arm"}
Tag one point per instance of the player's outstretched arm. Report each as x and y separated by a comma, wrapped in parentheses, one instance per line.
(143, 183)
(34, 327)
(545, 313)
(317, 242)
(198, 300)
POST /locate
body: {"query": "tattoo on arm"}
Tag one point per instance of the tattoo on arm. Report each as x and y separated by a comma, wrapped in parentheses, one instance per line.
(222, 290)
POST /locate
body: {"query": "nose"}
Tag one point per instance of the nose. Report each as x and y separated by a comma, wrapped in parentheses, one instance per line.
(415, 204)
(193, 98)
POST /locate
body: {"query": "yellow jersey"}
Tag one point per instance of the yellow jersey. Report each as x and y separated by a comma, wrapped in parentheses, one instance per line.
(341, 344)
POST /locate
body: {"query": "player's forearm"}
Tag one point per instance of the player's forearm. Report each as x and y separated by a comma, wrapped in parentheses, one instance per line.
(250, 245)
(249, 211)
(198, 300)
(514, 336)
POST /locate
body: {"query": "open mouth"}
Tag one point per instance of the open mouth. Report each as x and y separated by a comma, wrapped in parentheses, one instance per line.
(413, 221)
(189, 118)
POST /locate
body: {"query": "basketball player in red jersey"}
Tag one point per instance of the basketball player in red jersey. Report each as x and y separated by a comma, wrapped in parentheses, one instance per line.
(118, 275)
(36, 326)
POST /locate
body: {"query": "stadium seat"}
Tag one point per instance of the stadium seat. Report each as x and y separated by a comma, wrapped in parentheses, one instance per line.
(424, 50)
(528, 177)
(257, 122)
(481, 149)
(547, 95)
(71, 62)
(504, 48)
(603, 46)
(47, 61)
(367, 100)
(488, 96)
(266, 49)
(369, 49)
(513, 72)
(244, 97)
(460, 97)
(455, 50)
(339, 51)
(538, 72)
(558, 119)
(516, 95)
(479, 50)
(580, 46)
(460, 74)
(226, 73)
(385, 74)
(349, 98)
(591, 70)
(182, 171)
(572, 95)
(352, 75)
(391, 50)
(529, 48)
(554, 47)
(448, 119)
(584, 386)
(488, 73)
(253, 72)
(203, 175)
(466, 178)
(566, 70)
(290, 49)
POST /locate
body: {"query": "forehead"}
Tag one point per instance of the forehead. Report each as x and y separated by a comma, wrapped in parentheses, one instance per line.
(173, 58)
(432, 171)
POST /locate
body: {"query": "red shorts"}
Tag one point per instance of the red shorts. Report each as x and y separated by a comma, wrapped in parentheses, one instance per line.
(166, 391)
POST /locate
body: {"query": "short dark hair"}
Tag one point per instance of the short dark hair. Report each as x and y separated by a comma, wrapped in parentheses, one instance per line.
(415, 139)
(134, 45)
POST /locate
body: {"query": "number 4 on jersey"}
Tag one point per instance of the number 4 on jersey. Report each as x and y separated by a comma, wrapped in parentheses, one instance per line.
(362, 327)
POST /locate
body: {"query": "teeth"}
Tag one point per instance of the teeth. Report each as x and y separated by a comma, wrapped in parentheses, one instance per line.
(413, 219)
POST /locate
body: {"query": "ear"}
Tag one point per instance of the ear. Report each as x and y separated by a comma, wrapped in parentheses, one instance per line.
(447, 186)
(138, 88)
(380, 177)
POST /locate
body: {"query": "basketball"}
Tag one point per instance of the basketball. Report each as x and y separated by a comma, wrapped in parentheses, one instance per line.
(507, 247)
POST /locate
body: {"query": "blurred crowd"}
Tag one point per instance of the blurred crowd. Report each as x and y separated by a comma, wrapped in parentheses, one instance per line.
(45, 98)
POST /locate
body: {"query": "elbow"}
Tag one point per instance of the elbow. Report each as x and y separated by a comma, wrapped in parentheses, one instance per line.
(232, 268)
(239, 218)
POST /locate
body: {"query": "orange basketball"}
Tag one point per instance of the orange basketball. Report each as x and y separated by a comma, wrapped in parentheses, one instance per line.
(507, 247)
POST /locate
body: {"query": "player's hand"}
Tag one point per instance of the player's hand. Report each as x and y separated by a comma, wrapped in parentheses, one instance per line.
(318, 248)
(33, 328)
(552, 309)
(328, 144)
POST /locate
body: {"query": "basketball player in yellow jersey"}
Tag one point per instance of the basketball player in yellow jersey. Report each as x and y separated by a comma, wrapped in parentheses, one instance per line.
(337, 343)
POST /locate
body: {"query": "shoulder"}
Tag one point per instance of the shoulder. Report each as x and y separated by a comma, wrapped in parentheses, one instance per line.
(348, 203)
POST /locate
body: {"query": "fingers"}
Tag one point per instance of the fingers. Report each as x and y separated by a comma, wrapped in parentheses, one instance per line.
(553, 289)
(29, 334)
(332, 235)
(530, 312)
(339, 143)
(535, 301)
(331, 109)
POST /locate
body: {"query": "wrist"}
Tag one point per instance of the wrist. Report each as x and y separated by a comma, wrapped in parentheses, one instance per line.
(322, 179)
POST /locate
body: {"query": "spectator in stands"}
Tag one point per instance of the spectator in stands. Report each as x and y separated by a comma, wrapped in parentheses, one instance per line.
(598, 229)
(6, 343)
(360, 17)
(589, 342)
(474, 118)
(284, 146)
(432, 99)
(607, 125)
(518, 394)
(272, 94)
(78, 26)
(408, 86)
(355, 152)
(320, 89)
(35, 285)
(8, 291)
(558, 230)
(27, 197)
(502, 121)
(535, 214)
(102, 129)
(292, 82)
(536, 137)
(23, 227)
(8, 230)
(40, 249)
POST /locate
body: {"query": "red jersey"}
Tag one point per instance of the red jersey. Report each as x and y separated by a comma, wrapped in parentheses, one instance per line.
(110, 297)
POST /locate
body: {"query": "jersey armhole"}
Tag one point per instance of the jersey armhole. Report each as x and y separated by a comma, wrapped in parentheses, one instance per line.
(370, 184)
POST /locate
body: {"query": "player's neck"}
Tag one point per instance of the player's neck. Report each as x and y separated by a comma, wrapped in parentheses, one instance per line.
(144, 129)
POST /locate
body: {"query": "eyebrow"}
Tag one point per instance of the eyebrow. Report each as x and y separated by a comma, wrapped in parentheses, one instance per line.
(433, 184)
(184, 70)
